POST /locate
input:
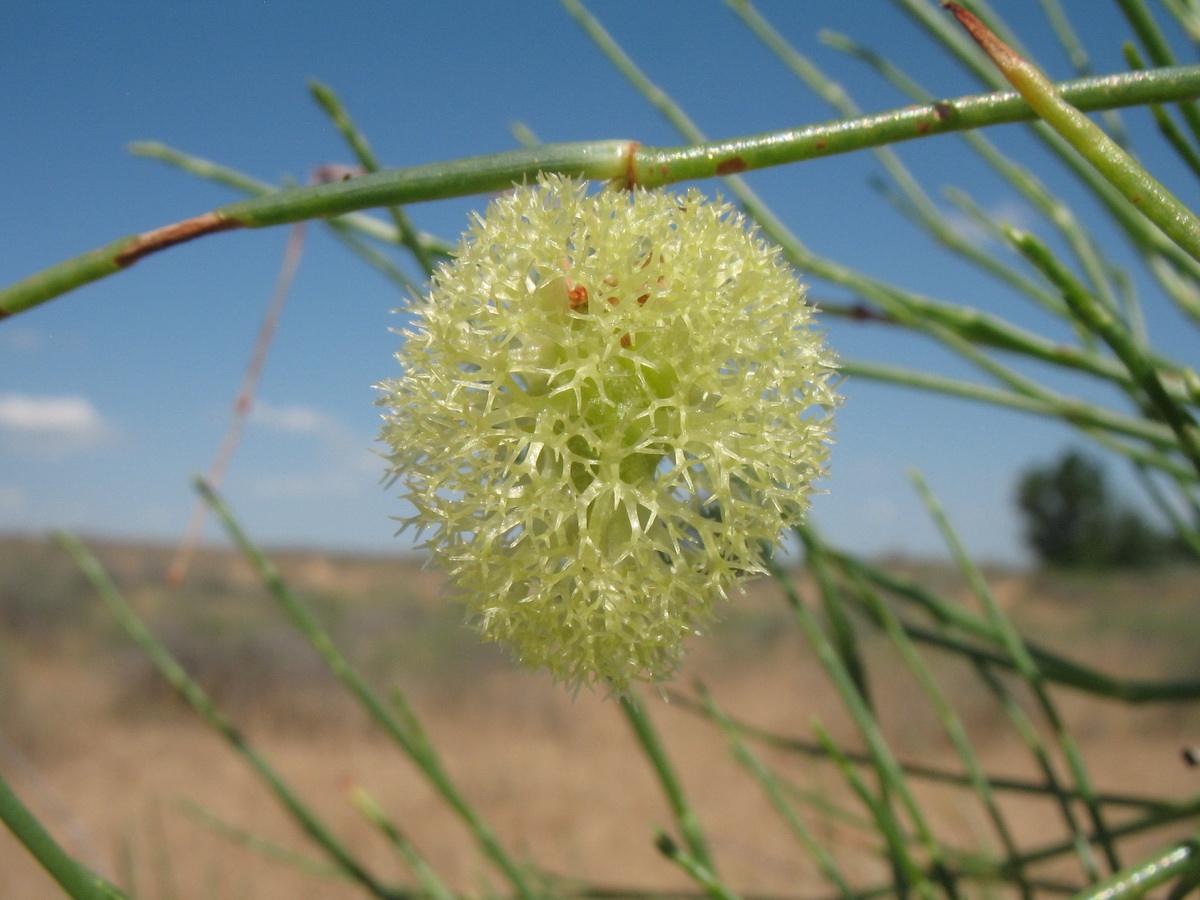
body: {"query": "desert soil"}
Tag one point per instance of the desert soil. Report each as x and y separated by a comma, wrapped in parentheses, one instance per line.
(113, 763)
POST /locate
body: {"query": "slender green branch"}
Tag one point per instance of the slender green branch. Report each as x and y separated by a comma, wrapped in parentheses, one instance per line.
(367, 225)
(1163, 255)
(599, 160)
(1062, 28)
(685, 816)
(888, 770)
(771, 786)
(1179, 861)
(1166, 125)
(952, 724)
(1053, 667)
(621, 161)
(204, 168)
(912, 200)
(1159, 49)
(260, 845)
(656, 96)
(332, 104)
(1077, 412)
(1100, 321)
(373, 257)
(1187, 15)
(431, 883)
(77, 880)
(652, 167)
(906, 871)
(407, 734)
(837, 619)
(1053, 208)
(198, 699)
(1026, 666)
(896, 303)
(1137, 185)
(1184, 528)
(1054, 784)
(695, 869)
(913, 770)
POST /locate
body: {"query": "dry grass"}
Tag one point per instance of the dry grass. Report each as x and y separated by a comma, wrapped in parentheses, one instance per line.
(103, 752)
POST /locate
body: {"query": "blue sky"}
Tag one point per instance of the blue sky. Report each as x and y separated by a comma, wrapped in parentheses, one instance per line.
(112, 397)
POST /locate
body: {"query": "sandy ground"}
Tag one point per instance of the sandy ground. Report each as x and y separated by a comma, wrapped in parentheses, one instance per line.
(107, 761)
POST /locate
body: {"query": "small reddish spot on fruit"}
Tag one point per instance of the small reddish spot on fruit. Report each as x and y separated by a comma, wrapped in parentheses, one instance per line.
(1136, 198)
(822, 144)
(731, 165)
(577, 295)
(923, 127)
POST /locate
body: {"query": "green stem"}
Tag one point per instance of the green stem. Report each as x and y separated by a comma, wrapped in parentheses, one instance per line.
(1022, 179)
(891, 777)
(912, 201)
(259, 844)
(332, 105)
(1101, 322)
(1166, 125)
(1165, 259)
(1137, 185)
(72, 876)
(1156, 44)
(368, 225)
(772, 788)
(685, 816)
(410, 739)
(1177, 861)
(695, 869)
(1053, 668)
(1077, 412)
(1054, 785)
(913, 770)
(906, 872)
(951, 723)
(198, 699)
(1026, 666)
(431, 883)
(621, 161)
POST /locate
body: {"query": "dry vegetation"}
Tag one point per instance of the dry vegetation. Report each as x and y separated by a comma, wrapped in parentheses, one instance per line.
(107, 755)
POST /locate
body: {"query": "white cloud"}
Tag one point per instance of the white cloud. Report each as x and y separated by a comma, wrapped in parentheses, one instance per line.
(340, 442)
(55, 425)
(341, 456)
(298, 420)
(61, 415)
(1007, 211)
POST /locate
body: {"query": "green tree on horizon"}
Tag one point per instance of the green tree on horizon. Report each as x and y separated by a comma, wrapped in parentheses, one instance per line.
(1074, 519)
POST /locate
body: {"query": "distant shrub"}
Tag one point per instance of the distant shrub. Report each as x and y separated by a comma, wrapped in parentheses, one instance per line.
(40, 592)
(1074, 520)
